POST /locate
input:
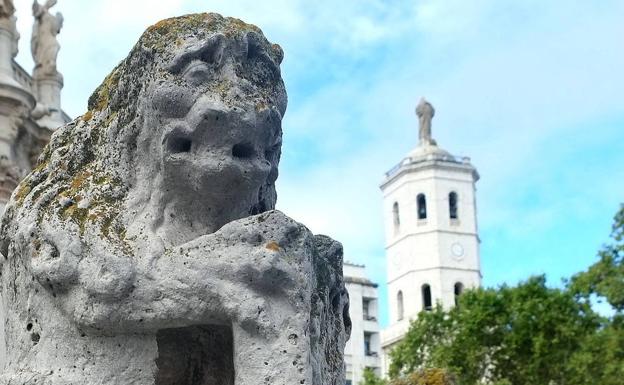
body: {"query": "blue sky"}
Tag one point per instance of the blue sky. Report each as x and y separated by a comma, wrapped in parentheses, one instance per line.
(532, 91)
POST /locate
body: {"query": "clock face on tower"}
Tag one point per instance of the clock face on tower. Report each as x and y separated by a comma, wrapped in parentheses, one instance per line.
(457, 250)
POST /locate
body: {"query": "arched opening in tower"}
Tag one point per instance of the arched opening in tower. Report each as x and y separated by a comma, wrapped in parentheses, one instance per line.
(458, 289)
(453, 205)
(426, 296)
(422, 206)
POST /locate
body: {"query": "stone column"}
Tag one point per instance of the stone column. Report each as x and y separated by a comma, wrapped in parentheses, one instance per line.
(6, 77)
(15, 105)
(7, 39)
(9, 174)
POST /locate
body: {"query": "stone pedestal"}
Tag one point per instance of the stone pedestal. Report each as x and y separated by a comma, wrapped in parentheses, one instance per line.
(48, 89)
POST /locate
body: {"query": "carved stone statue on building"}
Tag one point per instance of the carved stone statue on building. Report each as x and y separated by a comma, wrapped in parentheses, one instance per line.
(44, 44)
(7, 9)
(7, 12)
(425, 112)
(145, 248)
(8, 22)
(45, 48)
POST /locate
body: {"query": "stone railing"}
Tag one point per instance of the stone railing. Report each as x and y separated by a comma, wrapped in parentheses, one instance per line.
(420, 159)
(22, 77)
(26, 81)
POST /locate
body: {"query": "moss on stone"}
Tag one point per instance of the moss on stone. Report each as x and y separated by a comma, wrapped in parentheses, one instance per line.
(76, 214)
(79, 180)
(100, 98)
(87, 116)
(161, 34)
(22, 191)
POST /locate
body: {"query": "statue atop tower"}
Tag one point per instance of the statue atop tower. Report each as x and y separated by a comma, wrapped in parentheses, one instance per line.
(7, 9)
(44, 44)
(45, 47)
(425, 113)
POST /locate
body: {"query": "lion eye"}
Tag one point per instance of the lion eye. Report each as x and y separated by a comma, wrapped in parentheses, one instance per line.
(197, 72)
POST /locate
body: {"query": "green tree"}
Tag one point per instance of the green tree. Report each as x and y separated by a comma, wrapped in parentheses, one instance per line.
(605, 278)
(370, 378)
(432, 376)
(601, 358)
(523, 334)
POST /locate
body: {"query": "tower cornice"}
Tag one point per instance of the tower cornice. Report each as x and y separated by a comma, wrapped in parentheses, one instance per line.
(411, 164)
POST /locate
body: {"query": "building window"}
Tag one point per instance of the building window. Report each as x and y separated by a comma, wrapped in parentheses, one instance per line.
(426, 297)
(422, 206)
(399, 305)
(368, 309)
(395, 217)
(453, 205)
(367, 345)
(348, 382)
(458, 289)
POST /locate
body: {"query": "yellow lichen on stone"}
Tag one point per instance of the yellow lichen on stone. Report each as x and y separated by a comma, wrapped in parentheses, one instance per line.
(161, 34)
(79, 180)
(101, 97)
(22, 191)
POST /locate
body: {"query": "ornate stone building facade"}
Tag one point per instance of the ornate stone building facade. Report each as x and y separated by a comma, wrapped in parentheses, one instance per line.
(30, 104)
(432, 241)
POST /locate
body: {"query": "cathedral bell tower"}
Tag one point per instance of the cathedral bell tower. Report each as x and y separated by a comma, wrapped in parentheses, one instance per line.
(432, 242)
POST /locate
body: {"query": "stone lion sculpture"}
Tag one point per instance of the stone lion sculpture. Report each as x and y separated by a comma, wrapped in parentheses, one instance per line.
(145, 248)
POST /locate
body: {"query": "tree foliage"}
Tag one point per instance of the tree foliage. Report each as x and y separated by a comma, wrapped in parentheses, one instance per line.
(433, 376)
(529, 333)
(370, 378)
(605, 278)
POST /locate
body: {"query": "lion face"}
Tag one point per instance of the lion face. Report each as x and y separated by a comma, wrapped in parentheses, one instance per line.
(213, 122)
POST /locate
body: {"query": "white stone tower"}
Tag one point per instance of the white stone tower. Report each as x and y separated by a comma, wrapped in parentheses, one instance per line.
(432, 242)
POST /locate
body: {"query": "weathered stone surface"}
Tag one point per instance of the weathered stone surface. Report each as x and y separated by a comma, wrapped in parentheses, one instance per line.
(144, 248)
